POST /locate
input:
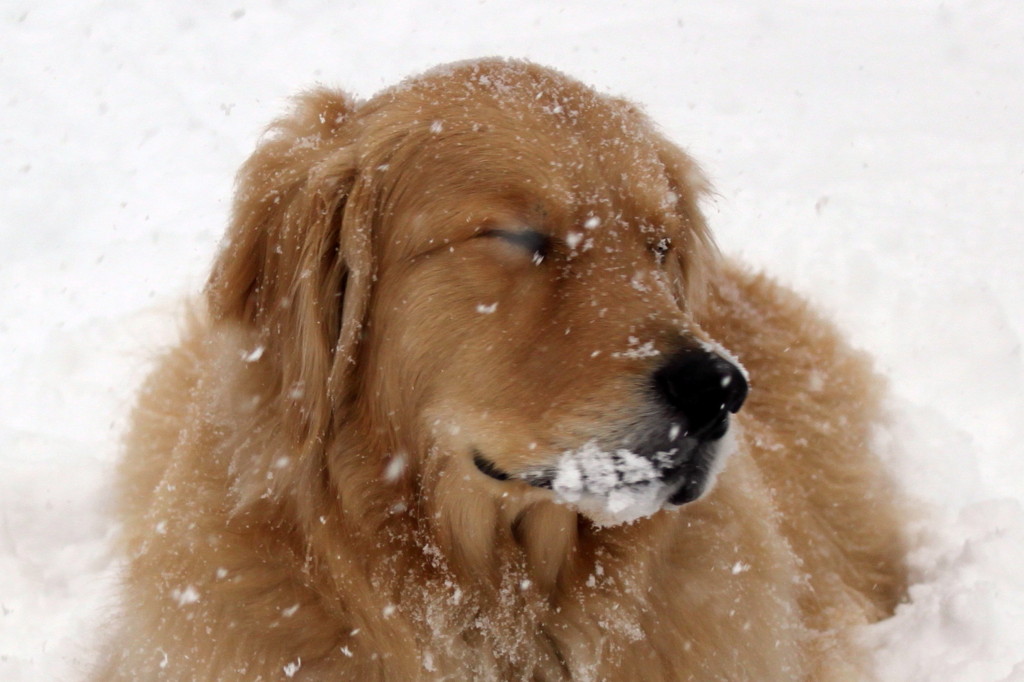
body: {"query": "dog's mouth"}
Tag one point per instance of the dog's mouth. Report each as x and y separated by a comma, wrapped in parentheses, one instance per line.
(622, 484)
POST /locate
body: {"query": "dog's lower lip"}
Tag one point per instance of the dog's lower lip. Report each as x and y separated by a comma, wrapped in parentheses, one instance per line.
(688, 492)
(718, 429)
(692, 474)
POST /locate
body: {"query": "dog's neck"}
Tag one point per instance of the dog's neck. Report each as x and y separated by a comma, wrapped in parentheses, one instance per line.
(522, 555)
(537, 543)
(507, 571)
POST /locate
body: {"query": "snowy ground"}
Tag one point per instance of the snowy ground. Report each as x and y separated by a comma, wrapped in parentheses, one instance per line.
(867, 151)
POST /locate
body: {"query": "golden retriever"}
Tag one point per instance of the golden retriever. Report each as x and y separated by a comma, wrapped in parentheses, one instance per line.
(453, 405)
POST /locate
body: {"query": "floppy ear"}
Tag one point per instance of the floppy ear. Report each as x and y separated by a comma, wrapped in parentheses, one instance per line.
(295, 265)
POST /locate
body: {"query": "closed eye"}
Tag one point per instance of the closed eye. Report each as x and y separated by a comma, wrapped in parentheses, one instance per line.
(531, 241)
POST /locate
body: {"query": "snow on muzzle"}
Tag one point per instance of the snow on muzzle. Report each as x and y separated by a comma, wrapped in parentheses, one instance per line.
(696, 391)
(613, 486)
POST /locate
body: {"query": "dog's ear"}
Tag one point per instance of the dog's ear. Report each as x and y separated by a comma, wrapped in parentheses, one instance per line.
(698, 252)
(294, 266)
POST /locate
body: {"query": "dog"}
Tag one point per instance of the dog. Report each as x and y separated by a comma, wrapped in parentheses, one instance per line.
(471, 395)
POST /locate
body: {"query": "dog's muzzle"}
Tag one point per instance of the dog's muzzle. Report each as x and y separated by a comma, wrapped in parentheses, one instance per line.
(695, 391)
(702, 388)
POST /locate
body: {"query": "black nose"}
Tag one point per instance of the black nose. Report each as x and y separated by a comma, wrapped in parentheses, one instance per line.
(704, 387)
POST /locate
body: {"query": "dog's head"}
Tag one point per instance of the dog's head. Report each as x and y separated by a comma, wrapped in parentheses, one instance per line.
(493, 272)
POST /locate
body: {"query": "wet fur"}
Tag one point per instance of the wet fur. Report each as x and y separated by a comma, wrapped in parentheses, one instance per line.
(298, 495)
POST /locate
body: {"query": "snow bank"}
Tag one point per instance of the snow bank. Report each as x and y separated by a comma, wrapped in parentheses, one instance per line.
(868, 152)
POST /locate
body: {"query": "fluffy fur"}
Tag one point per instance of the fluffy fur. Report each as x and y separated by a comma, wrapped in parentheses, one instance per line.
(298, 491)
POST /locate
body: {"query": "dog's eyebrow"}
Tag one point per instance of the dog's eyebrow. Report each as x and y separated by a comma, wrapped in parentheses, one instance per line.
(531, 240)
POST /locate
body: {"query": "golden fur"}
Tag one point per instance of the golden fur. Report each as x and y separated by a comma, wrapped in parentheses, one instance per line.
(298, 494)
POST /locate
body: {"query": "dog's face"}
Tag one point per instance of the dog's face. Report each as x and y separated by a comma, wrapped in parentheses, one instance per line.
(531, 305)
(534, 261)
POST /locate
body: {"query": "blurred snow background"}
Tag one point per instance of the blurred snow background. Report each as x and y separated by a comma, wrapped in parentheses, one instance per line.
(868, 152)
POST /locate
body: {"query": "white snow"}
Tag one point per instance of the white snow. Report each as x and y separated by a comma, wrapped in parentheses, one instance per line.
(486, 308)
(637, 349)
(186, 596)
(610, 487)
(867, 152)
(395, 468)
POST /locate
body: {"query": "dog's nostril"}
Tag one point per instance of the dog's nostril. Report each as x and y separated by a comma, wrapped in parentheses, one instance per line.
(703, 386)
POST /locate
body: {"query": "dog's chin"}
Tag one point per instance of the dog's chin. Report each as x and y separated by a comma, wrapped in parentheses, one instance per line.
(709, 462)
(613, 487)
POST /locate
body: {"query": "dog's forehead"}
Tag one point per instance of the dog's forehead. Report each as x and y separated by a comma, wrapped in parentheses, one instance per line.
(510, 141)
(531, 100)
